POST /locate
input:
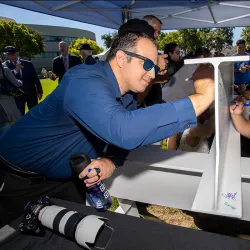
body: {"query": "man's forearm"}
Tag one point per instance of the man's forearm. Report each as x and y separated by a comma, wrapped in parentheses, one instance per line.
(200, 103)
(242, 125)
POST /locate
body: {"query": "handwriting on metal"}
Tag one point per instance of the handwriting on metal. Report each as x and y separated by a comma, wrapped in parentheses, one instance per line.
(230, 196)
(227, 204)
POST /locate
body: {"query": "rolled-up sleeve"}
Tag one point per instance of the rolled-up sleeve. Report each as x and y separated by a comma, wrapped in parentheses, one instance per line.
(93, 105)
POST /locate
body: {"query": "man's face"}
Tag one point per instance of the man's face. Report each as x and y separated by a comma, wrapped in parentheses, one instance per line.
(84, 53)
(241, 48)
(12, 57)
(157, 27)
(136, 77)
(64, 49)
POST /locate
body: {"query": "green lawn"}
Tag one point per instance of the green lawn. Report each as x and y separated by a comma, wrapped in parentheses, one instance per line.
(48, 87)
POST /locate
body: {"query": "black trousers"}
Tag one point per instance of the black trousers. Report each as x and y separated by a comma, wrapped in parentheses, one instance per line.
(16, 192)
(31, 100)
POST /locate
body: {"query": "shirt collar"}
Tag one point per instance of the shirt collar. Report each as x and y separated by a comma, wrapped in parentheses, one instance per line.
(112, 80)
(65, 56)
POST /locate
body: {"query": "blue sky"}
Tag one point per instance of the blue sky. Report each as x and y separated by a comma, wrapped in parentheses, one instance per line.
(30, 17)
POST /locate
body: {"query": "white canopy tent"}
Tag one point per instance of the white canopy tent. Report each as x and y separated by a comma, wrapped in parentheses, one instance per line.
(175, 14)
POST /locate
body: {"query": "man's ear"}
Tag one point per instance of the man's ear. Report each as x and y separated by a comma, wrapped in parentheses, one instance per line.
(121, 58)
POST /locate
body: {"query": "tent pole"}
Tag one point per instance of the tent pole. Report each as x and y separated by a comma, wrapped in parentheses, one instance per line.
(126, 13)
(210, 10)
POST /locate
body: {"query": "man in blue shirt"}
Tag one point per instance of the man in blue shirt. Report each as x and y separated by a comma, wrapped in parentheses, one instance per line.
(95, 106)
(241, 69)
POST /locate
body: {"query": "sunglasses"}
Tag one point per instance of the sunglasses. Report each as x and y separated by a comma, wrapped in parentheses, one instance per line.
(148, 64)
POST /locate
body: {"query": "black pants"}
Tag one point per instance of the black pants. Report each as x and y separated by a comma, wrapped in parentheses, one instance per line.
(31, 100)
(16, 192)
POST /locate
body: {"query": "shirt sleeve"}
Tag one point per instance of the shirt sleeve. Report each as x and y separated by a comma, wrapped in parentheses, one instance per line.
(92, 103)
(12, 78)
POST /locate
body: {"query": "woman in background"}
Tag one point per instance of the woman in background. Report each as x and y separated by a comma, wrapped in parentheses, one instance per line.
(153, 94)
(7, 101)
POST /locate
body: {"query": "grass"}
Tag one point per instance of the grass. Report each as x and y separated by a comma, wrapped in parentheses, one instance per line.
(48, 86)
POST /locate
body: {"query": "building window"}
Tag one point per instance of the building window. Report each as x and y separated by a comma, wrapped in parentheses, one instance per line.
(51, 54)
(59, 38)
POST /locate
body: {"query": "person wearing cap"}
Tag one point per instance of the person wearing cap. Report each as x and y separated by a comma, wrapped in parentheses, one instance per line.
(64, 62)
(24, 71)
(86, 54)
(94, 107)
(8, 106)
(151, 26)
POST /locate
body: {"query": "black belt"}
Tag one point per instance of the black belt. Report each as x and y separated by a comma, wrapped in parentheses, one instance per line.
(31, 177)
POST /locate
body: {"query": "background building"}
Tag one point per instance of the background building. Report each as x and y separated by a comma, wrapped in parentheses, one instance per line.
(52, 36)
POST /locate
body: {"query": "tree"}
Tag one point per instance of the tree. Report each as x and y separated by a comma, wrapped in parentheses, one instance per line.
(73, 49)
(191, 39)
(165, 38)
(108, 39)
(26, 40)
(219, 39)
(246, 36)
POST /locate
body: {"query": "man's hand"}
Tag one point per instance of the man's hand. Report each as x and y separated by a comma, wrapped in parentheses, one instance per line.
(238, 108)
(162, 63)
(242, 88)
(18, 67)
(53, 76)
(106, 167)
(246, 94)
(39, 96)
(242, 70)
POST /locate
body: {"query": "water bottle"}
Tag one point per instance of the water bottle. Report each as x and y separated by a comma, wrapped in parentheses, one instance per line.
(97, 195)
(246, 110)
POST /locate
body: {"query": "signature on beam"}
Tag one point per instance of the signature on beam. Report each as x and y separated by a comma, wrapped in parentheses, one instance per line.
(227, 204)
(230, 196)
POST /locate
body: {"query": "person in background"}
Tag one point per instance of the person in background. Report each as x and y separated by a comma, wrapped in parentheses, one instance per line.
(180, 86)
(86, 54)
(24, 71)
(7, 101)
(241, 69)
(64, 62)
(174, 59)
(174, 64)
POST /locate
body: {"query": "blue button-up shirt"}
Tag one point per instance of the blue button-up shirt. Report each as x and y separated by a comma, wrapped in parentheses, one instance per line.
(84, 114)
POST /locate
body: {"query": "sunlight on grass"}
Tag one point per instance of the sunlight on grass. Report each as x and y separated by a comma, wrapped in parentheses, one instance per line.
(48, 86)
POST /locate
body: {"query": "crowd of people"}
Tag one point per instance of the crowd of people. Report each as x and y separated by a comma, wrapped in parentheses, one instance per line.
(102, 109)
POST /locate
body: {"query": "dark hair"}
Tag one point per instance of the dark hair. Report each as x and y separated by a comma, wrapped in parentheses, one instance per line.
(202, 52)
(240, 41)
(127, 40)
(170, 47)
(149, 18)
